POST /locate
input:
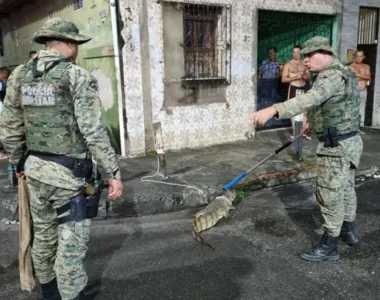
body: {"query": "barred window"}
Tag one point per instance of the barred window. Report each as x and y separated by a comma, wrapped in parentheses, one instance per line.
(368, 26)
(206, 42)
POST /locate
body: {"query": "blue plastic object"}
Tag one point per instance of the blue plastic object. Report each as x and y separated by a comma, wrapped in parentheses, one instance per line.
(235, 181)
(12, 175)
(243, 175)
(3, 85)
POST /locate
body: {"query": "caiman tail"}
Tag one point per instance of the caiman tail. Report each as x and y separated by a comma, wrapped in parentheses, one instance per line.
(198, 238)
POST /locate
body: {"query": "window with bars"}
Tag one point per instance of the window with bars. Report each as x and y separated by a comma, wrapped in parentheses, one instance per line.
(207, 42)
(368, 26)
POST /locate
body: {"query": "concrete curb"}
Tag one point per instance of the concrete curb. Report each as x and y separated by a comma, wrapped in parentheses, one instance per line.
(208, 169)
(191, 199)
(167, 200)
(278, 178)
(171, 201)
(295, 175)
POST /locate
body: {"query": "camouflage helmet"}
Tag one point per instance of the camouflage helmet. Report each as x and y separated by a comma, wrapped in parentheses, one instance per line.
(59, 29)
(317, 43)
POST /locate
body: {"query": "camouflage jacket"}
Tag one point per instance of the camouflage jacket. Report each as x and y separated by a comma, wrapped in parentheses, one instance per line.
(88, 114)
(329, 84)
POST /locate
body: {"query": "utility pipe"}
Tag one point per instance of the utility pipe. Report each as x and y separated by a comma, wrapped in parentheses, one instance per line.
(115, 37)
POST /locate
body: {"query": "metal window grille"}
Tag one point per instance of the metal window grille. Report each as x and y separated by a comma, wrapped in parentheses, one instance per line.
(368, 26)
(207, 42)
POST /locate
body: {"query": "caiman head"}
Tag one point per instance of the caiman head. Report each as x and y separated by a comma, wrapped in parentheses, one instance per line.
(230, 196)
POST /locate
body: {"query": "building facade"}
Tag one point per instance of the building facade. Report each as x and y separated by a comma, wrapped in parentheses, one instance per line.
(360, 30)
(191, 68)
(184, 74)
(20, 19)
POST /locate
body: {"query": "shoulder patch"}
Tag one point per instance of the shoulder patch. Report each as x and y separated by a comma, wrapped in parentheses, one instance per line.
(94, 84)
(319, 81)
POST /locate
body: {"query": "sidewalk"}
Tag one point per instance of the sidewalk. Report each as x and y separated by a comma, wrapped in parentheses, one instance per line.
(214, 167)
(210, 169)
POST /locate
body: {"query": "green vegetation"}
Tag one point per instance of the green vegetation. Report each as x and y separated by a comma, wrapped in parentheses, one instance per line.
(151, 153)
(307, 161)
(240, 194)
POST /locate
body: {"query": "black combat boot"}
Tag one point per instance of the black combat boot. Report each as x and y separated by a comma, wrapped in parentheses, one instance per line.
(325, 250)
(49, 291)
(348, 234)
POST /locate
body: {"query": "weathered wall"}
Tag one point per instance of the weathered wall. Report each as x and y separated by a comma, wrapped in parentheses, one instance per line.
(96, 56)
(349, 40)
(197, 125)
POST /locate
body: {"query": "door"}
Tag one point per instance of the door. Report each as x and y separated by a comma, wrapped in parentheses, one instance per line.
(367, 41)
(283, 31)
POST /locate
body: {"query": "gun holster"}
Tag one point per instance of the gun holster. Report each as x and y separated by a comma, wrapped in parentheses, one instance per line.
(77, 208)
(83, 206)
(20, 166)
(330, 138)
(86, 204)
(78, 211)
(93, 193)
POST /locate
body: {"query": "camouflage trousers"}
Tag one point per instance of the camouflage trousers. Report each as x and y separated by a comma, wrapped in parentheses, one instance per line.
(58, 251)
(336, 194)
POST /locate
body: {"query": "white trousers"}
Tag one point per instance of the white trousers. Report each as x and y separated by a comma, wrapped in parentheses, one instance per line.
(363, 100)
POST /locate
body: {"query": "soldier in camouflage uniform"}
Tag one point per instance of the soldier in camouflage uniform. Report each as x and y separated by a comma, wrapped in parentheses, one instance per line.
(52, 109)
(334, 99)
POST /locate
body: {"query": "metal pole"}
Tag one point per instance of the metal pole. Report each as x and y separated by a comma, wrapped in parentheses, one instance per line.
(298, 124)
(115, 35)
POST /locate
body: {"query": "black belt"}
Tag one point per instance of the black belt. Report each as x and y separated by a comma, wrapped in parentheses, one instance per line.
(80, 167)
(341, 137)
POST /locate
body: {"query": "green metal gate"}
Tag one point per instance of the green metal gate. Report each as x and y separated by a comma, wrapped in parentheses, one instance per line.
(283, 31)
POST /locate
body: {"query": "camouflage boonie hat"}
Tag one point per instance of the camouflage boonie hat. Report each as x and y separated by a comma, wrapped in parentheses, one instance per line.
(59, 29)
(317, 43)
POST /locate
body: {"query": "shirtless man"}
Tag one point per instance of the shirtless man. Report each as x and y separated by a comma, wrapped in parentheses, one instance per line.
(363, 74)
(296, 74)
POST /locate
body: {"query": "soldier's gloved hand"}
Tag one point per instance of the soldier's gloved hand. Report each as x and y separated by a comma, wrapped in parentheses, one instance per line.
(116, 189)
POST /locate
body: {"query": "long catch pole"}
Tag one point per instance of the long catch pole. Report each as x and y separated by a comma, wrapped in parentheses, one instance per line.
(243, 175)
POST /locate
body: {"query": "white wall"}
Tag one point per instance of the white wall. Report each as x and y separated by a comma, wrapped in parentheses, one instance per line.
(197, 125)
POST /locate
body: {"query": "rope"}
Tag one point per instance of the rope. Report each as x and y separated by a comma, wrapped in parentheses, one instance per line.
(144, 179)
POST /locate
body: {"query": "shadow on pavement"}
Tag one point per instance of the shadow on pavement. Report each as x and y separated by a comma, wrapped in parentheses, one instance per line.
(187, 282)
(100, 251)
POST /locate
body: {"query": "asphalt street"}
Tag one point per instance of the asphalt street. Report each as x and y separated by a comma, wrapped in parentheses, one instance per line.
(256, 256)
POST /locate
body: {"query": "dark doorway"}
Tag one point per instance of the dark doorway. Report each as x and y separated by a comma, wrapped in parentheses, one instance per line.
(283, 30)
(370, 52)
(367, 41)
